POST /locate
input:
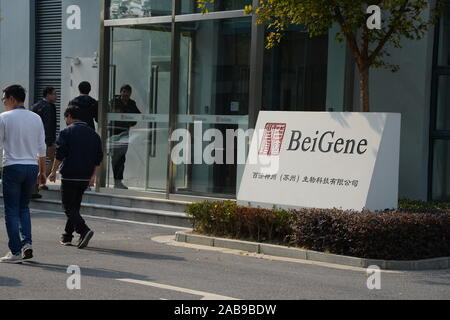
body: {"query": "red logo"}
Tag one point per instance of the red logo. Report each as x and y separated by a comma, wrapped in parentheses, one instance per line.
(272, 139)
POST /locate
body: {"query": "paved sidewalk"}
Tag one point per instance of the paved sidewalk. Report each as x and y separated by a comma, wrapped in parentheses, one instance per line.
(123, 262)
(296, 253)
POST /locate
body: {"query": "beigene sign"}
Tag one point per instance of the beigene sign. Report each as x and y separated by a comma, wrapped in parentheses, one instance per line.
(323, 160)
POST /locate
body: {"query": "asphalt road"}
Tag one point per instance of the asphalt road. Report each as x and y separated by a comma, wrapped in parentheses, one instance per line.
(123, 262)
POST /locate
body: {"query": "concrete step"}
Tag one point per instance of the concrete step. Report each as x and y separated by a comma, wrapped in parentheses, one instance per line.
(122, 200)
(179, 219)
(141, 209)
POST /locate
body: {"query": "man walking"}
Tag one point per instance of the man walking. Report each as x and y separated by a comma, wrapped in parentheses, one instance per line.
(87, 104)
(79, 152)
(46, 109)
(22, 137)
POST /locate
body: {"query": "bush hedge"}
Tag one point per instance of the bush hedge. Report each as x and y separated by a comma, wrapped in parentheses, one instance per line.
(389, 235)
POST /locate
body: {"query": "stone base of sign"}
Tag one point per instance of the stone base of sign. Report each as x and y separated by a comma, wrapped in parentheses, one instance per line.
(295, 253)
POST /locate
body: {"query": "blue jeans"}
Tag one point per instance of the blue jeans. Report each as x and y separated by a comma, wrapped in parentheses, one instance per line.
(18, 183)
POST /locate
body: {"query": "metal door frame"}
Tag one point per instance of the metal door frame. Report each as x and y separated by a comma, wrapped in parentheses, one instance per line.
(255, 82)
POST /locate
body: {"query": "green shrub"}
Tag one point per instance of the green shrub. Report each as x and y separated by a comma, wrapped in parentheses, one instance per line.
(212, 217)
(262, 224)
(386, 235)
(225, 218)
(391, 235)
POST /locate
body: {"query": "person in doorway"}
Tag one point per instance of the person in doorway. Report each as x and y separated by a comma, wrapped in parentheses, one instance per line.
(79, 153)
(119, 133)
(22, 137)
(46, 109)
(87, 104)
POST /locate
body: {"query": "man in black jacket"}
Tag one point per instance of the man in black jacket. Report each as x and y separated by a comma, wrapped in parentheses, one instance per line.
(79, 152)
(46, 109)
(119, 133)
(87, 104)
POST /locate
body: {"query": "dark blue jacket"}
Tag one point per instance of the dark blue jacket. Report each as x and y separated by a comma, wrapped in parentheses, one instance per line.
(89, 109)
(80, 150)
(47, 112)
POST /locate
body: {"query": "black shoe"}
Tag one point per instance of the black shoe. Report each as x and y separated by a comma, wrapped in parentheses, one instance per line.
(84, 239)
(44, 187)
(36, 196)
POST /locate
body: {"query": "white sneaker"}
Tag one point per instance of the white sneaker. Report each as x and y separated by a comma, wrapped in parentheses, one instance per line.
(27, 251)
(11, 258)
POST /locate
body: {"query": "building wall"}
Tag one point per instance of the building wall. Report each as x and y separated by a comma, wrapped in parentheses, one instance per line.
(407, 92)
(16, 44)
(80, 43)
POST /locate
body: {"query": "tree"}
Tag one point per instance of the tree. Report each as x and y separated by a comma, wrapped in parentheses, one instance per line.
(369, 47)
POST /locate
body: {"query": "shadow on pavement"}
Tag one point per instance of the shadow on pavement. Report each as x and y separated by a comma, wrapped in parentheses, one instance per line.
(435, 283)
(134, 254)
(9, 282)
(91, 272)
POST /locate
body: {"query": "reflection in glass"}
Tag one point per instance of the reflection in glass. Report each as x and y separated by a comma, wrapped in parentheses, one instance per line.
(295, 73)
(443, 103)
(138, 118)
(444, 38)
(441, 171)
(190, 6)
(122, 9)
(214, 85)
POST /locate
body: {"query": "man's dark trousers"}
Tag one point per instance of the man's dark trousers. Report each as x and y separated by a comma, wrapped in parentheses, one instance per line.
(71, 194)
(118, 158)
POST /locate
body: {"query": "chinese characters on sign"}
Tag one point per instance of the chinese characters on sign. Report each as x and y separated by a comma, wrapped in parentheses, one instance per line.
(307, 179)
(331, 181)
(258, 175)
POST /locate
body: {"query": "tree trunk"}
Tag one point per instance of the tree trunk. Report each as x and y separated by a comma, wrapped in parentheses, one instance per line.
(364, 88)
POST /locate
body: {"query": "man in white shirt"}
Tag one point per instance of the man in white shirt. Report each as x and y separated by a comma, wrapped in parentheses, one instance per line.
(22, 138)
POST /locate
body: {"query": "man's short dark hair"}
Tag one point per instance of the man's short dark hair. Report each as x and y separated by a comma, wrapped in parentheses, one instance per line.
(84, 87)
(47, 91)
(16, 91)
(73, 111)
(126, 87)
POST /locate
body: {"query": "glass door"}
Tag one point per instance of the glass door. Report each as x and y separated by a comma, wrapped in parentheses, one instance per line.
(138, 112)
(213, 100)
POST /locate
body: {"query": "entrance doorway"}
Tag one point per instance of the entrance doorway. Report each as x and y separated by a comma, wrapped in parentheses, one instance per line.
(138, 136)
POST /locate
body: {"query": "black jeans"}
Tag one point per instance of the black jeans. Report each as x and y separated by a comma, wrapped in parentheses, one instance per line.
(71, 194)
(118, 153)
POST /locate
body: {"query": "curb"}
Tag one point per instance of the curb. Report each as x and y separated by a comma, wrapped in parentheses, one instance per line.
(295, 253)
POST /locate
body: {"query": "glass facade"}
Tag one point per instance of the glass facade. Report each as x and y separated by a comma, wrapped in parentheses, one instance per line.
(443, 103)
(191, 6)
(215, 86)
(444, 36)
(192, 76)
(122, 9)
(439, 172)
(295, 73)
